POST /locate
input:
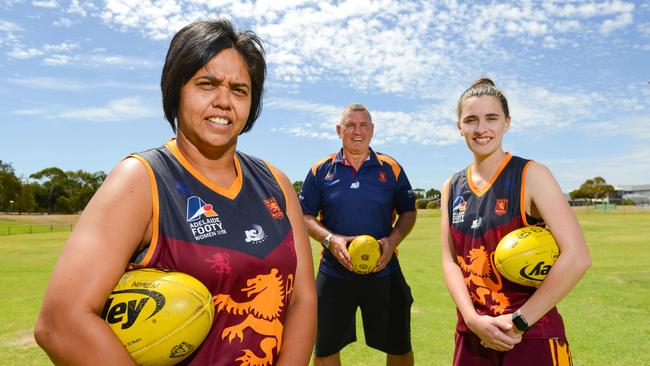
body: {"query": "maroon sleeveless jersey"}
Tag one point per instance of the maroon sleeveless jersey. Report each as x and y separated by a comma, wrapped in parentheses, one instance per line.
(479, 218)
(237, 241)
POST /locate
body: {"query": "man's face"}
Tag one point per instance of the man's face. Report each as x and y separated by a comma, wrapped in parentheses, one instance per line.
(355, 130)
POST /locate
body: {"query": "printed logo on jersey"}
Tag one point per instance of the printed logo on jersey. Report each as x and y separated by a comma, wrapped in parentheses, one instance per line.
(332, 183)
(458, 210)
(255, 235)
(267, 296)
(355, 184)
(501, 206)
(382, 177)
(477, 223)
(274, 208)
(220, 262)
(483, 280)
(203, 221)
(196, 208)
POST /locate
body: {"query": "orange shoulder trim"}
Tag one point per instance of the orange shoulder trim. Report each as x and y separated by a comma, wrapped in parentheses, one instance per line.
(321, 162)
(155, 215)
(277, 180)
(390, 161)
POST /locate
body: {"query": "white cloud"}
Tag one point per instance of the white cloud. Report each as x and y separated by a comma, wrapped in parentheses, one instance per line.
(48, 4)
(62, 47)
(73, 85)
(120, 109)
(64, 22)
(644, 29)
(58, 60)
(7, 27)
(630, 167)
(414, 49)
(21, 53)
(124, 109)
(621, 21)
(390, 126)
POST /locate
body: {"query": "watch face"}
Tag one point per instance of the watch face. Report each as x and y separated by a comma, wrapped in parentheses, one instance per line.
(519, 322)
(326, 242)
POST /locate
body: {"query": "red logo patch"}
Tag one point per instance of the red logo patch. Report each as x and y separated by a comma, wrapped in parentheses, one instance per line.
(274, 208)
(382, 177)
(501, 207)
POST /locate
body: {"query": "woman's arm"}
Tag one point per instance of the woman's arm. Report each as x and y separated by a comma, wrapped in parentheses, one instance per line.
(544, 197)
(300, 327)
(94, 258)
(495, 332)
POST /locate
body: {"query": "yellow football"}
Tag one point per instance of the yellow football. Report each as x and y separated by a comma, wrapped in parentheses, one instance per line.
(161, 317)
(364, 253)
(525, 255)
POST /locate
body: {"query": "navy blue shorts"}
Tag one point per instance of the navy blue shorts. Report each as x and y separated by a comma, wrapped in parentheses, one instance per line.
(385, 304)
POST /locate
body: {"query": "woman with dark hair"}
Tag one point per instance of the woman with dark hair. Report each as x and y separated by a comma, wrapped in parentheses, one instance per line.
(198, 206)
(499, 321)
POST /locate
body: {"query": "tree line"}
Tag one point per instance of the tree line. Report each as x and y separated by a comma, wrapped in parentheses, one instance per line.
(50, 190)
(53, 190)
(423, 198)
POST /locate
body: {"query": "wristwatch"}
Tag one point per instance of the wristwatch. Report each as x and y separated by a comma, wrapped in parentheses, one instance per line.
(519, 321)
(328, 240)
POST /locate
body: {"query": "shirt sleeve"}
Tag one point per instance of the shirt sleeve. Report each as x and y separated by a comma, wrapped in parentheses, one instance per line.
(310, 195)
(404, 196)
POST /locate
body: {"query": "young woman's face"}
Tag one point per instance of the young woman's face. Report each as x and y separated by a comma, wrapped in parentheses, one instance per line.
(215, 103)
(482, 122)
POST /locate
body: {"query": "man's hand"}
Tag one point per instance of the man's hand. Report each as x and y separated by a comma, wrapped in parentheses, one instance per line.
(387, 250)
(339, 249)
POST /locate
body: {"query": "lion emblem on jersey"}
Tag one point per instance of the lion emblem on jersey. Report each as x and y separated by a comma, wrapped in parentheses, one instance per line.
(267, 293)
(479, 274)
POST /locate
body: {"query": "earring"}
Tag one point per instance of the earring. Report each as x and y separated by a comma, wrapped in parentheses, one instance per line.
(462, 134)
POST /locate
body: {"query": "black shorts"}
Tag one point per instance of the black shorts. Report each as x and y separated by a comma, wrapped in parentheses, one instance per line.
(385, 309)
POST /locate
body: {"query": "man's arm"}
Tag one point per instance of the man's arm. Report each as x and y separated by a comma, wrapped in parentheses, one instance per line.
(338, 243)
(401, 229)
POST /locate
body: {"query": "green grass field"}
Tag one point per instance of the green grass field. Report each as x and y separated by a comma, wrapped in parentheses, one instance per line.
(606, 315)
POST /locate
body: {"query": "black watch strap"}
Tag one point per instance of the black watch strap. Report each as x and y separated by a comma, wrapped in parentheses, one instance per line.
(519, 321)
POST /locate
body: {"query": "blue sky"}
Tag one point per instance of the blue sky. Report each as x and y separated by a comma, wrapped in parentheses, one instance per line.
(79, 81)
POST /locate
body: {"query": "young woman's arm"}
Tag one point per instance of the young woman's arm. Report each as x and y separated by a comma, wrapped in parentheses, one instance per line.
(94, 258)
(495, 332)
(300, 328)
(544, 198)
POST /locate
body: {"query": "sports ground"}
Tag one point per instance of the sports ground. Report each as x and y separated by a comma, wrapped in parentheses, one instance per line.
(607, 315)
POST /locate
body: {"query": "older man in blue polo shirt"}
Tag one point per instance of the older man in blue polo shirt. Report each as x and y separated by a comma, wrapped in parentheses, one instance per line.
(352, 192)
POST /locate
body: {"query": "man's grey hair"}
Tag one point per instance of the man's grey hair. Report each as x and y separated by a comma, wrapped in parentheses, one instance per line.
(355, 107)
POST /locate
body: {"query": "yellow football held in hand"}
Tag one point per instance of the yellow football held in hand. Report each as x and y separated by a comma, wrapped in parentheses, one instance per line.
(160, 317)
(364, 253)
(525, 255)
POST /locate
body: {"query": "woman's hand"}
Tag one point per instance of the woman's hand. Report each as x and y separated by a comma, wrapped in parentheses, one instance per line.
(497, 333)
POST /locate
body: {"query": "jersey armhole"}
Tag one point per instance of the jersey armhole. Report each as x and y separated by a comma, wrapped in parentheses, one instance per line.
(143, 258)
(275, 176)
(534, 221)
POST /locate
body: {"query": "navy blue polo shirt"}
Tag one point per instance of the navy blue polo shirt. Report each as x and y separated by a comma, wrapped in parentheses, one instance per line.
(350, 202)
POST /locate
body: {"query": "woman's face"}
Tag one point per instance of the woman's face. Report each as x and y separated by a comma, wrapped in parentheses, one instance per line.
(215, 103)
(482, 122)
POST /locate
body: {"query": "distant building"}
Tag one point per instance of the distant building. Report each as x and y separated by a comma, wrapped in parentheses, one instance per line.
(639, 194)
